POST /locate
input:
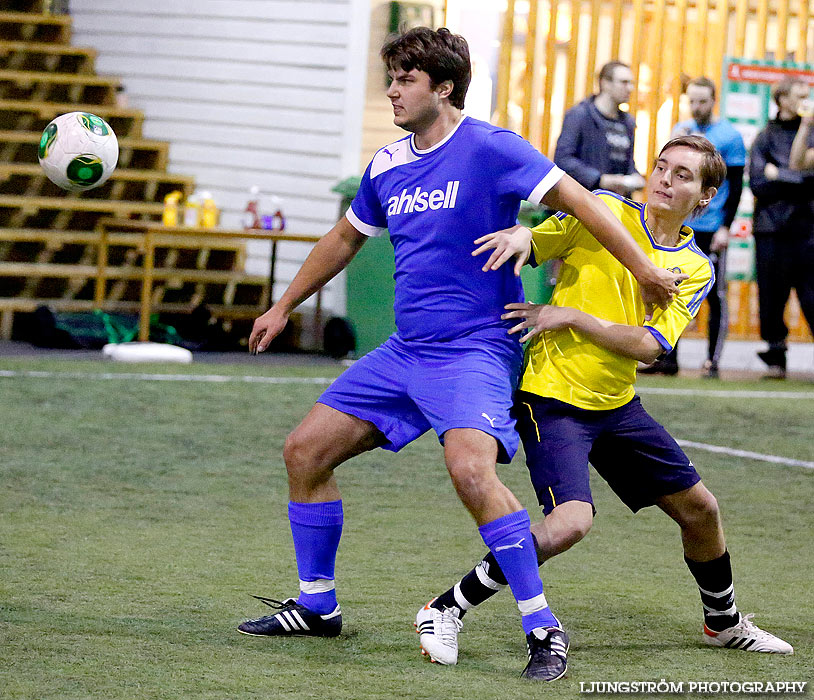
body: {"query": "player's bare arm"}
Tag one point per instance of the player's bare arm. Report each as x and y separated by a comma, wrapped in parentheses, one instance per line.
(328, 258)
(630, 341)
(657, 285)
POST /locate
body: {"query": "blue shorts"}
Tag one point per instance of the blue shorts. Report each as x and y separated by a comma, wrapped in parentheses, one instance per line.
(628, 448)
(407, 387)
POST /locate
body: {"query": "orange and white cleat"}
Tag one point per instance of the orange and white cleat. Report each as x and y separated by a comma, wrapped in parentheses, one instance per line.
(438, 633)
(746, 635)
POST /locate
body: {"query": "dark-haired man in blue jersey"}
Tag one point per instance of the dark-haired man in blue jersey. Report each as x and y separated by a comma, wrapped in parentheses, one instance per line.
(450, 366)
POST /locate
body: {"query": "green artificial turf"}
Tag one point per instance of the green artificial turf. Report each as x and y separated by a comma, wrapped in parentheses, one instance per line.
(136, 517)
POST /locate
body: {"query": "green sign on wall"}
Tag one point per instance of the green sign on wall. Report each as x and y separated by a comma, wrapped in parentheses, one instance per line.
(746, 101)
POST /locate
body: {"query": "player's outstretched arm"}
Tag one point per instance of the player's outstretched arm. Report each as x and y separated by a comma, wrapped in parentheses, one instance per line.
(329, 256)
(657, 284)
(630, 341)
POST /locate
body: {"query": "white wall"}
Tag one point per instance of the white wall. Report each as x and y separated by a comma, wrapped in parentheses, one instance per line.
(248, 92)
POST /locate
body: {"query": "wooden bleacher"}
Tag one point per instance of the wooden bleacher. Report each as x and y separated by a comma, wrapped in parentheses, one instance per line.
(146, 154)
(49, 238)
(55, 58)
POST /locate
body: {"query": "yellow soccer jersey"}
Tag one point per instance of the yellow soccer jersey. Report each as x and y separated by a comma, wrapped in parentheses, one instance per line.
(566, 365)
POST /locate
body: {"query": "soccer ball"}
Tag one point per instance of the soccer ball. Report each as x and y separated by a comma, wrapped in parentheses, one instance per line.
(78, 151)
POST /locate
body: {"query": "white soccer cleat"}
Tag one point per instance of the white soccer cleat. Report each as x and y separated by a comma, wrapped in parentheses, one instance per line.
(748, 636)
(438, 634)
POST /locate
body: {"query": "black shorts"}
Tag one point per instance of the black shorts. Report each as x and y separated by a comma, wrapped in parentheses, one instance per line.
(628, 448)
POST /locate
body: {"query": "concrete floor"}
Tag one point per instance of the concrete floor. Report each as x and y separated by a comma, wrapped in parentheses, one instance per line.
(738, 356)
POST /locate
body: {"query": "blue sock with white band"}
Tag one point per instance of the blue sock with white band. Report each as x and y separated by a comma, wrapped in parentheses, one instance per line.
(509, 539)
(316, 528)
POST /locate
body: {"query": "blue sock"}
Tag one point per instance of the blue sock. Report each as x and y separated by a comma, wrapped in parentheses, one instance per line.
(316, 528)
(509, 539)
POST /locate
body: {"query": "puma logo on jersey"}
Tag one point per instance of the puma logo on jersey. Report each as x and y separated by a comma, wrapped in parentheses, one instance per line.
(420, 200)
(491, 420)
(516, 545)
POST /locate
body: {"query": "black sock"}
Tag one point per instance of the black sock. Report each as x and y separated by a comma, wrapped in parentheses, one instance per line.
(714, 579)
(480, 584)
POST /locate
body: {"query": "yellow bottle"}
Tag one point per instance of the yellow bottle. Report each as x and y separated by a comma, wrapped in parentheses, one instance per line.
(172, 201)
(209, 211)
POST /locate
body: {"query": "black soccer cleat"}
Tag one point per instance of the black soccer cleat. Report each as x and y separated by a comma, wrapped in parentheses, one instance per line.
(548, 649)
(292, 619)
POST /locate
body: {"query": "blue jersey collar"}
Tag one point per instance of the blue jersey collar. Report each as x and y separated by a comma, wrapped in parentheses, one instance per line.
(684, 229)
(419, 152)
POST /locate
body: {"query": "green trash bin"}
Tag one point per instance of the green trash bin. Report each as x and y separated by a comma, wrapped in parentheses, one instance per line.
(370, 286)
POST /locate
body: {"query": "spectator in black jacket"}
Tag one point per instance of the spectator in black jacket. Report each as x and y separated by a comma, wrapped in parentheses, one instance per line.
(595, 146)
(783, 223)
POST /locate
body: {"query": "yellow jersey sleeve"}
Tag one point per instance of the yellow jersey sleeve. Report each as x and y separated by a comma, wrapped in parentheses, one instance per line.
(668, 324)
(553, 238)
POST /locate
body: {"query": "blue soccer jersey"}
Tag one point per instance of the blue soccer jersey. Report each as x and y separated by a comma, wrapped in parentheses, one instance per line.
(435, 203)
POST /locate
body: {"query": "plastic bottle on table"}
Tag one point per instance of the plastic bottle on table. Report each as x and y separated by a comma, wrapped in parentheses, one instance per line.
(276, 220)
(192, 210)
(172, 205)
(251, 215)
(209, 211)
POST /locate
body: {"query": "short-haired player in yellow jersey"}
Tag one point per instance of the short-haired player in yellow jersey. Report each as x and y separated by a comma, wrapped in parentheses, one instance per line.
(576, 402)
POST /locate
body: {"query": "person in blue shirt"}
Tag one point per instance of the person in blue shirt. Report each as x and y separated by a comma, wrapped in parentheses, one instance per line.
(450, 366)
(712, 226)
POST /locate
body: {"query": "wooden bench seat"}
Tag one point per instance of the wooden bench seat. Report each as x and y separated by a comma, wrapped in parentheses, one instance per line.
(58, 87)
(55, 58)
(75, 203)
(29, 26)
(125, 183)
(138, 153)
(32, 115)
(72, 211)
(173, 275)
(57, 239)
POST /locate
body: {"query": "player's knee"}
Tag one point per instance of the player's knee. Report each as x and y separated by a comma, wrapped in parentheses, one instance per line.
(579, 528)
(301, 454)
(471, 480)
(700, 512)
(573, 528)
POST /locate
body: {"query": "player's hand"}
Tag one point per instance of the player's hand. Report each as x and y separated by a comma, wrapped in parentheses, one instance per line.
(514, 242)
(265, 329)
(720, 240)
(659, 289)
(538, 318)
(771, 171)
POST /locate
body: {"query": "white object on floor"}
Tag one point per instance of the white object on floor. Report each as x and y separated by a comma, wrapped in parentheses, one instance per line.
(146, 352)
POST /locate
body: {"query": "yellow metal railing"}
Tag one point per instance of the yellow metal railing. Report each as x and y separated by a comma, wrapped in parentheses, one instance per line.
(153, 232)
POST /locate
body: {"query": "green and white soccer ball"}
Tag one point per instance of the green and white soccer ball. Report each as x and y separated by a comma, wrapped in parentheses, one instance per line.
(78, 151)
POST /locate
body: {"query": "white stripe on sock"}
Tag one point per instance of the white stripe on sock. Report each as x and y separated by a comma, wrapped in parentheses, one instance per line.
(483, 577)
(713, 612)
(531, 605)
(718, 595)
(462, 602)
(322, 585)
